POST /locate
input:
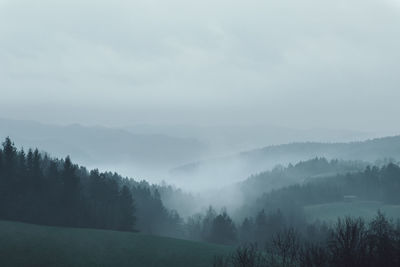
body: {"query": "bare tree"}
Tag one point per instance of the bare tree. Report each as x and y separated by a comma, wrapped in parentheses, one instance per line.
(248, 256)
(284, 249)
(313, 255)
(348, 243)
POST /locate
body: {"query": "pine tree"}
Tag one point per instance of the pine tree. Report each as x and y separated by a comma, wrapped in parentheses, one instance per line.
(7, 183)
(223, 230)
(247, 230)
(70, 194)
(9, 154)
(126, 207)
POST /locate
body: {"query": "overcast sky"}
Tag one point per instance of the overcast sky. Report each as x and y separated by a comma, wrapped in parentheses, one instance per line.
(297, 63)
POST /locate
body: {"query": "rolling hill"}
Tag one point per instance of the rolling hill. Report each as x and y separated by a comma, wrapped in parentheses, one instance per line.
(32, 245)
(239, 166)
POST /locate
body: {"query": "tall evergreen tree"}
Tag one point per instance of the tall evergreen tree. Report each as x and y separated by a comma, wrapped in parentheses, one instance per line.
(223, 230)
(70, 194)
(9, 154)
(7, 183)
(126, 206)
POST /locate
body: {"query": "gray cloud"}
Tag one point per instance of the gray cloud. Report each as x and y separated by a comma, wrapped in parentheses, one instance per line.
(296, 63)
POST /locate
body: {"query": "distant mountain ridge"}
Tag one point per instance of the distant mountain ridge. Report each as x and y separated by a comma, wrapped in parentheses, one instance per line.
(229, 139)
(369, 150)
(242, 165)
(96, 145)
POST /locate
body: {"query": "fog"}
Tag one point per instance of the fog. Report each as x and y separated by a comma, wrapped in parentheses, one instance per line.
(195, 158)
(268, 128)
(297, 64)
(176, 91)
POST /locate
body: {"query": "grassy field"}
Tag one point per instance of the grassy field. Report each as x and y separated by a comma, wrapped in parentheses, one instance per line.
(32, 245)
(366, 209)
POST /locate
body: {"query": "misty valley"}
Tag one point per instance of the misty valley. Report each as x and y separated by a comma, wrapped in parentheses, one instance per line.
(212, 133)
(338, 206)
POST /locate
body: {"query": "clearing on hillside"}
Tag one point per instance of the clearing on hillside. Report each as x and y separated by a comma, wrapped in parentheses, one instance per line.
(367, 209)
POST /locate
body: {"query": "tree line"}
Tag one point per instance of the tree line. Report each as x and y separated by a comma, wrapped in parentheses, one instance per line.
(35, 188)
(372, 184)
(350, 242)
(280, 176)
(258, 221)
(39, 189)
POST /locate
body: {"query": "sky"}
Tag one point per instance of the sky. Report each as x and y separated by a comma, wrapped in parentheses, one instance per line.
(296, 63)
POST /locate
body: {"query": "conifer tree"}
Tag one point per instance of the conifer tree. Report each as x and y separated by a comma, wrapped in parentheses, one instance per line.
(127, 220)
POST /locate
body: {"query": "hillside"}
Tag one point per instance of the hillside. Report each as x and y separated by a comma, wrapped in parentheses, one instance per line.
(298, 173)
(31, 245)
(239, 166)
(325, 198)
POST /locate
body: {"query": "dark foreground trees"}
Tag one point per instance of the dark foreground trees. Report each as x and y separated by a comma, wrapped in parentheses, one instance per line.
(212, 227)
(37, 189)
(351, 243)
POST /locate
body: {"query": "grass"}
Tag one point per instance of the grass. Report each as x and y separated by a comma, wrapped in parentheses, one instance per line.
(32, 245)
(366, 209)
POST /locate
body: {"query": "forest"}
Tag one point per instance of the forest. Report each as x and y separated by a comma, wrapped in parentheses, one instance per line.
(175, 133)
(38, 189)
(271, 229)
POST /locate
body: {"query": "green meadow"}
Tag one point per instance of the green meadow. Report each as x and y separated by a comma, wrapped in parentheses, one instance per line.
(32, 245)
(366, 209)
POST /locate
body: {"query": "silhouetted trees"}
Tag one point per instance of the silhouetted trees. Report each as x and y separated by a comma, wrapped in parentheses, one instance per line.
(284, 248)
(126, 207)
(223, 230)
(348, 244)
(37, 189)
(212, 227)
(351, 243)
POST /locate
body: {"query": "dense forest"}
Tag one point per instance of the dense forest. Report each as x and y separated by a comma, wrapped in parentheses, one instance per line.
(250, 189)
(272, 212)
(372, 184)
(299, 173)
(38, 189)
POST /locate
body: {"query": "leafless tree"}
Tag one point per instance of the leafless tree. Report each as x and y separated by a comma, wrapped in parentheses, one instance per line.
(284, 249)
